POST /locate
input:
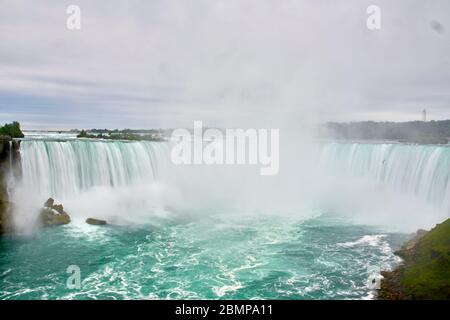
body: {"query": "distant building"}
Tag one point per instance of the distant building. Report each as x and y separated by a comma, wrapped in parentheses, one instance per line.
(424, 115)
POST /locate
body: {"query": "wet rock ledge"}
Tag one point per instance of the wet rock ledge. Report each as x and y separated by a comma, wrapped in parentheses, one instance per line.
(9, 165)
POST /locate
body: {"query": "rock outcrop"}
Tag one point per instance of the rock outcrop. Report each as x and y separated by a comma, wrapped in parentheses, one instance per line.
(53, 214)
(96, 222)
(425, 271)
(9, 167)
(5, 217)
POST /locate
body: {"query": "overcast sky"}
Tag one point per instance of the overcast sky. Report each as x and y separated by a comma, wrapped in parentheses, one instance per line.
(165, 63)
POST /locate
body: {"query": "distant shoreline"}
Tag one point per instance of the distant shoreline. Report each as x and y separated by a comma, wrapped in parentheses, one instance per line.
(29, 137)
(414, 132)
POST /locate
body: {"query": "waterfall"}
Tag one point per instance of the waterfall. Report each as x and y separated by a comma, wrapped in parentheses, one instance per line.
(415, 169)
(11, 172)
(10, 181)
(64, 168)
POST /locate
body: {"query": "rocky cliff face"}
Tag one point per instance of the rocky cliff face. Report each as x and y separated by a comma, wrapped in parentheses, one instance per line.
(9, 167)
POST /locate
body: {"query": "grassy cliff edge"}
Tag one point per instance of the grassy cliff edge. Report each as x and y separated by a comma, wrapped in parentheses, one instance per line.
(425, 272)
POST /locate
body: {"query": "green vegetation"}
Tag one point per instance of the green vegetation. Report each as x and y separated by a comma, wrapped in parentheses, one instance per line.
(428, 273)
(121, 135)
(12, 130)
(83, 134)
(425, 273)
(432, 132)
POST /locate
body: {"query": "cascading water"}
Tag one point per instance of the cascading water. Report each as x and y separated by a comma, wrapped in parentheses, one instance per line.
(10, 179)
(416, 169)
(62, 169)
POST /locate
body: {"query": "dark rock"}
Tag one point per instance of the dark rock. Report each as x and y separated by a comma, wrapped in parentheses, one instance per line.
(391, 288)
(6, 224)
(96, 222)
(53, 214)
(9, 164)
(51, 218)
(408, 247)
(59, 208)
(49, 203)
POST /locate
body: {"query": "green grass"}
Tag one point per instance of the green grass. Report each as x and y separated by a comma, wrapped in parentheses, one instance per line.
(426, 272)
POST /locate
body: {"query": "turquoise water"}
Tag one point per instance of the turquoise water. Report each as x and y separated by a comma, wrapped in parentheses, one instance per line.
(214, 257)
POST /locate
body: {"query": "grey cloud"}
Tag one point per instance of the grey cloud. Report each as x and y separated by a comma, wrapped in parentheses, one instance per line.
(167, 62)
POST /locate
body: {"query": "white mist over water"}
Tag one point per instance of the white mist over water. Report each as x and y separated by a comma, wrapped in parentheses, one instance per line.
(400, 186)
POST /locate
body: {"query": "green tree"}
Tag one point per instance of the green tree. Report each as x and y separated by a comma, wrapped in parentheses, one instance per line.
(83, 134)
(12, 130)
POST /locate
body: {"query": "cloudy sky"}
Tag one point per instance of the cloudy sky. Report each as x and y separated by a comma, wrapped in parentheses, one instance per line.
(165, 63)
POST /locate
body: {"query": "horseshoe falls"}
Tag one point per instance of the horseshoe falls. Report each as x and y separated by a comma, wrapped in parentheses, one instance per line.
(62, 169)
(423, 171)
(172, 234)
